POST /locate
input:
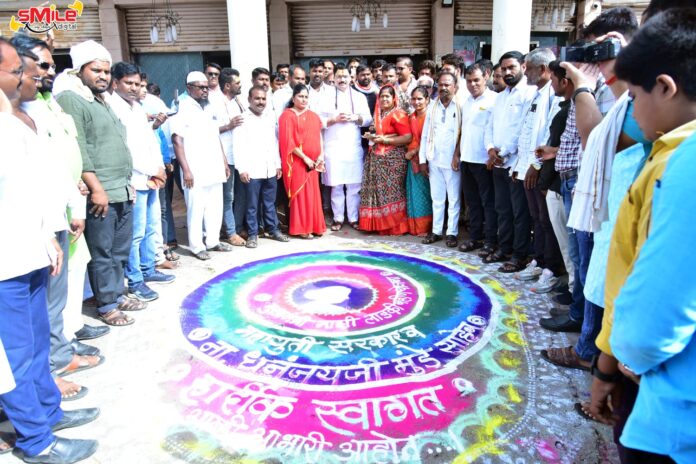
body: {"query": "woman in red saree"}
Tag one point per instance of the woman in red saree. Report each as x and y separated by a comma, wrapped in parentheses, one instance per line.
(299, 138)
(383, 191)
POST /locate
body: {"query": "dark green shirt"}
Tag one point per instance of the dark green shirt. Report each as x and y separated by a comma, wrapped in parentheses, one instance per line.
(102, 140)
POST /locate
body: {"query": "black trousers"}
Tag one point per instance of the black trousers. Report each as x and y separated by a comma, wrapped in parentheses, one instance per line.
(547, 253)
(479, 196)
(513, 214)
(109, 242)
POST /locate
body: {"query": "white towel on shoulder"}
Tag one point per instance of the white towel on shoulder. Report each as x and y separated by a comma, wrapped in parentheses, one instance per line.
(589, 208)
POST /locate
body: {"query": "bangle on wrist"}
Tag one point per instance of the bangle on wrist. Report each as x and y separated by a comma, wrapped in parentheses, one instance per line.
(608, 378)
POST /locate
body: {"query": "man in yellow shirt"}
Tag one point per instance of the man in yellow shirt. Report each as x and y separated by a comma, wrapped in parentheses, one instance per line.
(665, 108)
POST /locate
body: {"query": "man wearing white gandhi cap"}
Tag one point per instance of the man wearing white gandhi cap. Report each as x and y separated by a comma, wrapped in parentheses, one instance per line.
(106, 169)
(204, 168)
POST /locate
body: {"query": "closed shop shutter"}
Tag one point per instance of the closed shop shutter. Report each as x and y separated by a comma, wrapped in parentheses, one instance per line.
(324, 29)
(477, 15)
(88, 28)
(202, 27)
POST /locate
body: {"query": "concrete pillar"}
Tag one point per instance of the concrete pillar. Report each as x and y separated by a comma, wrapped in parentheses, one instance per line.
(248, 36)
(113, 31)
(280, 32)
(512, 26)
(442, 31)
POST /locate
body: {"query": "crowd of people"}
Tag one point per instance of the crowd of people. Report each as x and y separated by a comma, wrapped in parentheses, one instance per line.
(575, 177)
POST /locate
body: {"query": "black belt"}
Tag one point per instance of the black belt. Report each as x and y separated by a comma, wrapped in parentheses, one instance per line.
(565, 175)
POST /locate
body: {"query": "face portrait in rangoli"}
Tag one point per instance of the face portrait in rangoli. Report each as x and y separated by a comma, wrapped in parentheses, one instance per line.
(346, 356)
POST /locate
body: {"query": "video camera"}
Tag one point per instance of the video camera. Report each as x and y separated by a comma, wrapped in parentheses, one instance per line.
(591, 52)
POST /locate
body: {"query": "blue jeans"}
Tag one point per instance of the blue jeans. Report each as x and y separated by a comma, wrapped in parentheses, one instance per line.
(228, 203)
(262, 193)
(577, 307)
(34, 405)
(168, 231)
(592, 321)
(146, 214)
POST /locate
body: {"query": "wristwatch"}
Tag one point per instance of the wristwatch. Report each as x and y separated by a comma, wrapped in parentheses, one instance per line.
(536, 166)
(580, 90)
(608, 378)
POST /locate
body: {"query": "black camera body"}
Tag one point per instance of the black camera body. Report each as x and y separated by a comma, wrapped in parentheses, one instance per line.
(591, 52)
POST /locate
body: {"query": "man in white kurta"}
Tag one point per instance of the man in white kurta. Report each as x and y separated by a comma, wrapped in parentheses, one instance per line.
(203, 166)
(343, 111)
(439, 142)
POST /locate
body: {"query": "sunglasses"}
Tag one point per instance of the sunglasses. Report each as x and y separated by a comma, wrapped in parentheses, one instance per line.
(45, 65)
(212, 74)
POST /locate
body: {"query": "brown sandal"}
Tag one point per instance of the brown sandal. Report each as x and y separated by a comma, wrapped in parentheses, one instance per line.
(131, 304)
(236, 240)
(565, 357)
(116, 318)
(336, 226)
(80, 363)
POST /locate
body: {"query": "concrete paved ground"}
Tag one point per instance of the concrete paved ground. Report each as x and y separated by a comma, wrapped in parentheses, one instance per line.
(503, 403)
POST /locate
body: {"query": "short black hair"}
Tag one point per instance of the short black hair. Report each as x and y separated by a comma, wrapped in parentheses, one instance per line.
(378, 63)
(657, 6)
(453, 60)
(153, 89)
(258, 87)
(226, 76)
(340, 67)
(122, 69)
(276, 76)
(428, 64)
(473, 67)
(330, 61)
(558, 70)
(281, 66)
(441, 74)
(213, 65)
(362, 67)
(487, 66)
(664, 45)
(514, 54)
(296, 66)
(27, 42)
(359, 59)
(495, 66)
(256, 72)
(388, 67)
(316, 63)
(143, 76)
(620, 19)
(408, 60)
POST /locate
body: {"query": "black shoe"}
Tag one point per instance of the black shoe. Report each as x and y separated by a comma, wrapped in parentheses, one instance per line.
(563, 298)
(88, 332)
(76, 418)
(555, 311)
(561, 324)
(451, 241)
(65, 451)
(83, 349)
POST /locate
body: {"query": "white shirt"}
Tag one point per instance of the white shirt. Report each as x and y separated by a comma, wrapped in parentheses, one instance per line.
(280, 100)
(535, 127)
(462, 91)
(201, 143)
(153, 105)
(503, 130)
(343, 149)
(445, 135)
(141, 140)
(23, 180)
(59, 135)
(476, 113)
(222, 112)
(315, 97)
(255, 143)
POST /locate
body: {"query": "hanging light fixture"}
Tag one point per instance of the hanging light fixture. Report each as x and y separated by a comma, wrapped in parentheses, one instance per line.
(367, 10)
(168, 21)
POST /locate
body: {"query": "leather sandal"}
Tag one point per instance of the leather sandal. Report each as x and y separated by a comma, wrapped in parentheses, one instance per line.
(116, 318)
(80, 363)
(470, 245)
(70, 391)
(514, 265)
(431, 238)
(565, 357)
(496, 257)
(336, 226)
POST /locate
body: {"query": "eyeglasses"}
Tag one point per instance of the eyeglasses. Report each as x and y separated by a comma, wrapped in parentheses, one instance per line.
(200, 87)
(45, 65)
(212, 74)
(16, 72)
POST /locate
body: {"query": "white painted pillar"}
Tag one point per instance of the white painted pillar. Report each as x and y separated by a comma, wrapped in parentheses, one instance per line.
(512, 27)
(248, 36)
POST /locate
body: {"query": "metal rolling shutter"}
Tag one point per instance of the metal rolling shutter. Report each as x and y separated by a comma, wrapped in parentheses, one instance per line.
(477, 15)
(203, 27)
(324, 29)
(88, 28)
